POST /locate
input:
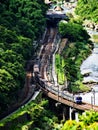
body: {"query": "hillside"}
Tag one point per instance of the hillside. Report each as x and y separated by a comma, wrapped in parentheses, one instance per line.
(21, 23)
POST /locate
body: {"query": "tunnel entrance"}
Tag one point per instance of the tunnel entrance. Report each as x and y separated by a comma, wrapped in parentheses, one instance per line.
(54, 18)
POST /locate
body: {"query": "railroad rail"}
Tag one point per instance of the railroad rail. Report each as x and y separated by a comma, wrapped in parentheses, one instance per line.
(41, 75)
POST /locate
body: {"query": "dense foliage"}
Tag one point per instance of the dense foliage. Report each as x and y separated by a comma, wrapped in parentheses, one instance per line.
(33, 116)
(88, 121)
(74, 53)
(37, 116)
(73, 31)
(88, 9)
(21, 22)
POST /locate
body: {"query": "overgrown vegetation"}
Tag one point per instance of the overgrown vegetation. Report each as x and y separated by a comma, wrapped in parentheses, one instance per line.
(32, 116)
(39, 117)
(21, 22)
(73, 31)
(75, 52)
(88, 9)
(87, 121)
(60, 69)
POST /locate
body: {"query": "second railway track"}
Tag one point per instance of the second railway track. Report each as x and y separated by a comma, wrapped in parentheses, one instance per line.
(47, 86)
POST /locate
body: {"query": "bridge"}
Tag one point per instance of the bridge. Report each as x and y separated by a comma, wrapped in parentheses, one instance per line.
(45, 76)
(55, 14)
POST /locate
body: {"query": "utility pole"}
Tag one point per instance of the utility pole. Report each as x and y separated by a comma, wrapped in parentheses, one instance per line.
(58, 87)
(93, 98)
(58, 93)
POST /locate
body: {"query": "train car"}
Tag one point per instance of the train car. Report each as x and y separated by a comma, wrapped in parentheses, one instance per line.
(71, 97)
(66, 95)
(63, 94)
(78, 100)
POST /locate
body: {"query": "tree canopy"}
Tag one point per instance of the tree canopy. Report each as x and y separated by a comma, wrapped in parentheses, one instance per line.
(88, 9)
(87, 121)
(73, 31)
(21, 22)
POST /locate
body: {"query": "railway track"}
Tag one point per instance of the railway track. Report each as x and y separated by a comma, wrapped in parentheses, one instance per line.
(46, 51)
(48, 87)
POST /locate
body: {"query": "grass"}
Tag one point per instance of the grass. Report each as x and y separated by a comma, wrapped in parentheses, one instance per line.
(60, 69)
(61, 78)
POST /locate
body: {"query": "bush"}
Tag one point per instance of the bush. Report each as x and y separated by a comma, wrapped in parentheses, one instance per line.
(73, 31)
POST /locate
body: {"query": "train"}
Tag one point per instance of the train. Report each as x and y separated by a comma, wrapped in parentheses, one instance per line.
(40, 73)
(43, 83)
(64, 94)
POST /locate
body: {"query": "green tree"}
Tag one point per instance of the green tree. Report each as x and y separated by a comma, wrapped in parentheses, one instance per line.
(72, 31)
(88, 120)
(6, 81)
(7, 85)
(24, 47)
(75, 52)
(87, 9)
(21, 22)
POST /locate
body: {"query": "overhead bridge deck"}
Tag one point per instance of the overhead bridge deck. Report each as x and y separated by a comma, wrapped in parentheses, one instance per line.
(84, 106)
(55, 16)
